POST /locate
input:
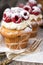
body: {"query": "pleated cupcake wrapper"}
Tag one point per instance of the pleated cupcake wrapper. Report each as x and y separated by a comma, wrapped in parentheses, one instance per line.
(28, 50)
(24, 42)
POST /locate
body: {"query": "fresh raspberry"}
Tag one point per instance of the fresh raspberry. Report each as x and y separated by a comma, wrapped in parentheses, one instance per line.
(16, 19)
(7, 19)
(27, 8)
(19, 21)
(30, 11)
(35, 13)
(31, 4)
(36, 10)
(4, 15)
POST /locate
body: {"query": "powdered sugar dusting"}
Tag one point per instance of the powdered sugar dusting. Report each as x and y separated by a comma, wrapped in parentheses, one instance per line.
(13, 15)
(16, 9)
(36, 9)
(7, 12)
(22, 14)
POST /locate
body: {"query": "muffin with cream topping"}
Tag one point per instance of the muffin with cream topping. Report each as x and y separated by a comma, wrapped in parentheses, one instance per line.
(36, 15)
(16, 28)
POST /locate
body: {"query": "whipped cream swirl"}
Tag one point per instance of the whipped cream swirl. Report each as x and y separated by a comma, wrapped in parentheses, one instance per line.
(19, 12)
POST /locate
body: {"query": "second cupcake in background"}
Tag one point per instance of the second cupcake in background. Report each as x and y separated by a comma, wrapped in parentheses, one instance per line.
(35, 11)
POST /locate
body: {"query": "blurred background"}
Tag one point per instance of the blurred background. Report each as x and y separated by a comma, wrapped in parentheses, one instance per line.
(10, 3)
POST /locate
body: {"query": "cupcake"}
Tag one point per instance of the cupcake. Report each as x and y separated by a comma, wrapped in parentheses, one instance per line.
(15, 28)
(36, 15)
(32, 20)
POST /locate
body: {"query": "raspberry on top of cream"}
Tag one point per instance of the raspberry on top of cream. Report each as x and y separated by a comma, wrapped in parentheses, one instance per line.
(7, 12)
(36, 10)
(16, 20)
(7, 15)
(32, 3)
(36, 13)
(27, 8)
